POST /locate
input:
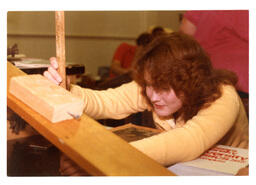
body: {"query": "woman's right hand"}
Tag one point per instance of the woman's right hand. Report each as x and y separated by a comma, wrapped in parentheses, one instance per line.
(52, 73)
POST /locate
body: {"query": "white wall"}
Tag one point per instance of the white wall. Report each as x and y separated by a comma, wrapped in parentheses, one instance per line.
(91, 36)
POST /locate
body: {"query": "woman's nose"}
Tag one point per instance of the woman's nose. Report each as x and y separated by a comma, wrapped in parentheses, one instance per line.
(152, 94)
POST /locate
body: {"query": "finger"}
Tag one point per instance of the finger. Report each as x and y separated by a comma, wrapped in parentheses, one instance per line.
(54, 74)
(54, 62)
(49, 77)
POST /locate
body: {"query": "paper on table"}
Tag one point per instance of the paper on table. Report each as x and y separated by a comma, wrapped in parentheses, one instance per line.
(219, 160)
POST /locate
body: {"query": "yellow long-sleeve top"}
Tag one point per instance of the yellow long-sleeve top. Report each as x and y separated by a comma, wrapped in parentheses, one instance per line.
(224, 122)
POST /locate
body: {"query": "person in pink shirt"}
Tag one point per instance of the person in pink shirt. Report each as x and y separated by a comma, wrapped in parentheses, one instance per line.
(224, 36)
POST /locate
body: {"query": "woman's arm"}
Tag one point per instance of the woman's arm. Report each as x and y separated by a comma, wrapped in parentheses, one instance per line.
(197, 135)
(112, 103)
(115, 103)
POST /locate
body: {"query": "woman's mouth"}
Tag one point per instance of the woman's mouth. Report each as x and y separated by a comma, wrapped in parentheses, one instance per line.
(158, 106)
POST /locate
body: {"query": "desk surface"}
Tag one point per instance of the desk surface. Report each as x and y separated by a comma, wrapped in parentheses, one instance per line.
(70, 70)
(38, 66)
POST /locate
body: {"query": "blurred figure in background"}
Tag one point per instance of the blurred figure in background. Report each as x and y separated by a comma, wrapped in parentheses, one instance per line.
(225, 36)
(159, 30)
(124, 55)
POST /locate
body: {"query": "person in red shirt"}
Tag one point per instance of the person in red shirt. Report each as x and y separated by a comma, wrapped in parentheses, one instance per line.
(122, 59)
(124, 55)
(224, 35)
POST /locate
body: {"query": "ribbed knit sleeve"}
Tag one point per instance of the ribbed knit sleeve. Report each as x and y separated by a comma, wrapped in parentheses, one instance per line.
(115, 103)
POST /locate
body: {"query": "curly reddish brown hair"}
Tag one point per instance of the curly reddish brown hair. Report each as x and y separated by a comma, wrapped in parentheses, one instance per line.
(177, 61)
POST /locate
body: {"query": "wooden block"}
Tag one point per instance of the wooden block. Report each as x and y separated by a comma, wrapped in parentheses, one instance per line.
(52, 101)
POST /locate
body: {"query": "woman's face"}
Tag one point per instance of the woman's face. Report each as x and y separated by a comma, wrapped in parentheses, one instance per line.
(165, 102)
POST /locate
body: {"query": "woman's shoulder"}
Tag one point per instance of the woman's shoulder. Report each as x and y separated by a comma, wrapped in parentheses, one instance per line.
(131, 85)
(228, 90)
(227, 102)
(228, 98)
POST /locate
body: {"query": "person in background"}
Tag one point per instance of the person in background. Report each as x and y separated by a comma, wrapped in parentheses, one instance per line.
(225, 36)
(194, 104)
(125, 53)
(159, 30)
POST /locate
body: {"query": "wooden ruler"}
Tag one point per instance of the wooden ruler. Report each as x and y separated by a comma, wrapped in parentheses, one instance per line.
(60, 45)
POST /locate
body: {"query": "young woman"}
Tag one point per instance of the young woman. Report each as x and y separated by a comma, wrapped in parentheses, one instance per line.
(194, 104)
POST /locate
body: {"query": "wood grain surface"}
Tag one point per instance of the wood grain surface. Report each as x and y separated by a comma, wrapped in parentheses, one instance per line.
(60, 45)
(50, 100)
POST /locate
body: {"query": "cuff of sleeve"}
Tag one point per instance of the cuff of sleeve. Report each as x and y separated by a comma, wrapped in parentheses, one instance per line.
(77, 91)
